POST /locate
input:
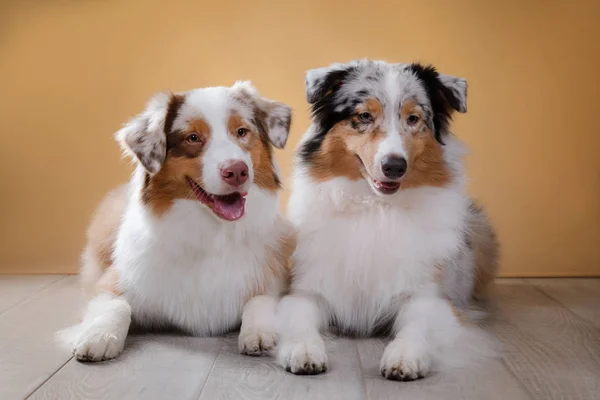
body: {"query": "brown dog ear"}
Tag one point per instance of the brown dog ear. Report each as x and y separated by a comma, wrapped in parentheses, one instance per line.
(144, 136)
(272, 116)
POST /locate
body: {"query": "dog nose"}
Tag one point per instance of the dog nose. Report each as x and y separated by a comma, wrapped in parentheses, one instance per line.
(235, 173)
(393, 166)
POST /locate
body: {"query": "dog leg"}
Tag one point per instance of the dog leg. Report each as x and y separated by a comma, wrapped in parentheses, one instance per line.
(101, 335)
(301, 347)
(258, 333)
(408, 356)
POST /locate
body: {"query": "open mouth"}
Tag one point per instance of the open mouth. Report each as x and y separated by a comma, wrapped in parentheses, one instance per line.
(386, 187)
(229, 207)
(389, 187)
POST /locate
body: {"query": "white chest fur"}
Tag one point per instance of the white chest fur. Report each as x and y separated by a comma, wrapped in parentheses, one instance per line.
(364, 254)
(188, 269)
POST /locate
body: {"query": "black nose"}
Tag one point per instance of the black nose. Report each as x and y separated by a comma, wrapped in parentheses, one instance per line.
(393, 167)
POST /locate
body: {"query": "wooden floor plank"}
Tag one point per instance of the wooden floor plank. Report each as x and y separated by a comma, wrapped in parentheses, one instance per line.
(488, 381)
(582, 296)
(16, 288)
(550, 333)
(553, 352)
(245, 378)
(153, 366)
(28, 352)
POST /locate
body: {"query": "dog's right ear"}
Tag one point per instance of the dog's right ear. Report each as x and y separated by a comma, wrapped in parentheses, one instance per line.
(144, 137)
(323, 82)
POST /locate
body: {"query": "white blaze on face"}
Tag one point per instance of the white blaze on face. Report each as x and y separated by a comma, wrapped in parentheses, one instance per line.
(398, 86)
(222, 149)
(391, 145)
(393, 142)
(215, 107)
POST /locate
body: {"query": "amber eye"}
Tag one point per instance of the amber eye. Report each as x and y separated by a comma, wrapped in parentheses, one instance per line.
(193, 138)
(365, 117)
(241, 132)
(412, 119)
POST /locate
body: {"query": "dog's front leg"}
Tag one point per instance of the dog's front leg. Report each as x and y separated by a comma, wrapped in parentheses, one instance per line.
(258, 333)
(420, 321)
(301, 347)
(101, 335)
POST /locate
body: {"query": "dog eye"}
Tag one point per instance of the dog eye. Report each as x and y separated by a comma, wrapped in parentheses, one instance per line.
(365, 117)
(412, 119)
(241, 132)
(193, 138)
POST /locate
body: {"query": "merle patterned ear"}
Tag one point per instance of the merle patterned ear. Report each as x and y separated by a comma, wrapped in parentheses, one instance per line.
(144, 138)
(455, 91)
(272, 116)
(446, 94)
(321, 82)
(279, 120)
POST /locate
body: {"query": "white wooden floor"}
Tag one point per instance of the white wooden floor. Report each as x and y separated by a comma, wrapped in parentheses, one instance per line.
(550, 329)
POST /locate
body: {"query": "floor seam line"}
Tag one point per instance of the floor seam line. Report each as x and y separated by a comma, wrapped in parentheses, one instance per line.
(362, 372)
(560, 303)
(47, 379)
(521, 384)
(212, 367)
(34, 295)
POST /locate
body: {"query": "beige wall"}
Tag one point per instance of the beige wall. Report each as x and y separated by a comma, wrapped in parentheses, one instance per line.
(72, 71)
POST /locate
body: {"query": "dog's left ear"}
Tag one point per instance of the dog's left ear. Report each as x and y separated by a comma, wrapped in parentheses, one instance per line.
(448, 92)
(455, 91)
(271, 116)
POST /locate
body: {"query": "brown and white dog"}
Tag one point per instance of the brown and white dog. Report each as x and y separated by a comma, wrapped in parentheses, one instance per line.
(195, 239)
(387, 238)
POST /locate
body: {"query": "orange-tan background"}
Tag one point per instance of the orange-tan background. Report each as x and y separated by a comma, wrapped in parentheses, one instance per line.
(72, 71)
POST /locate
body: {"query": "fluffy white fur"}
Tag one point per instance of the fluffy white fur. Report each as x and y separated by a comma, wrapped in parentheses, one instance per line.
(363, 260)
(187, 268)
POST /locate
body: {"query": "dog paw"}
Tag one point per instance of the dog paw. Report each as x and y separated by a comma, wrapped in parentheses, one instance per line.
(95, 344)
(403, 362)
(257, 341)
(303, 358)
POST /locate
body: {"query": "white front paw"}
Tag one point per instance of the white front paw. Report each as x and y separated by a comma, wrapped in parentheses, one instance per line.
(404, 361)
(257, 341)
(97, 343)
(303, 357)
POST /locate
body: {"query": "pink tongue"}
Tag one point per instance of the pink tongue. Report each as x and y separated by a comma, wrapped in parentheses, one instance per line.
(230, 207)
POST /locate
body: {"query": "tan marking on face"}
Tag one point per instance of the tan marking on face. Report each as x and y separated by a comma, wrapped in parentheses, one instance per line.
(410, 107)
(259, 147)
(264, 175)
(373, 106)
(183, 160)
(334, 159)
(234, 122)
(425, 155)
(347, 144)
